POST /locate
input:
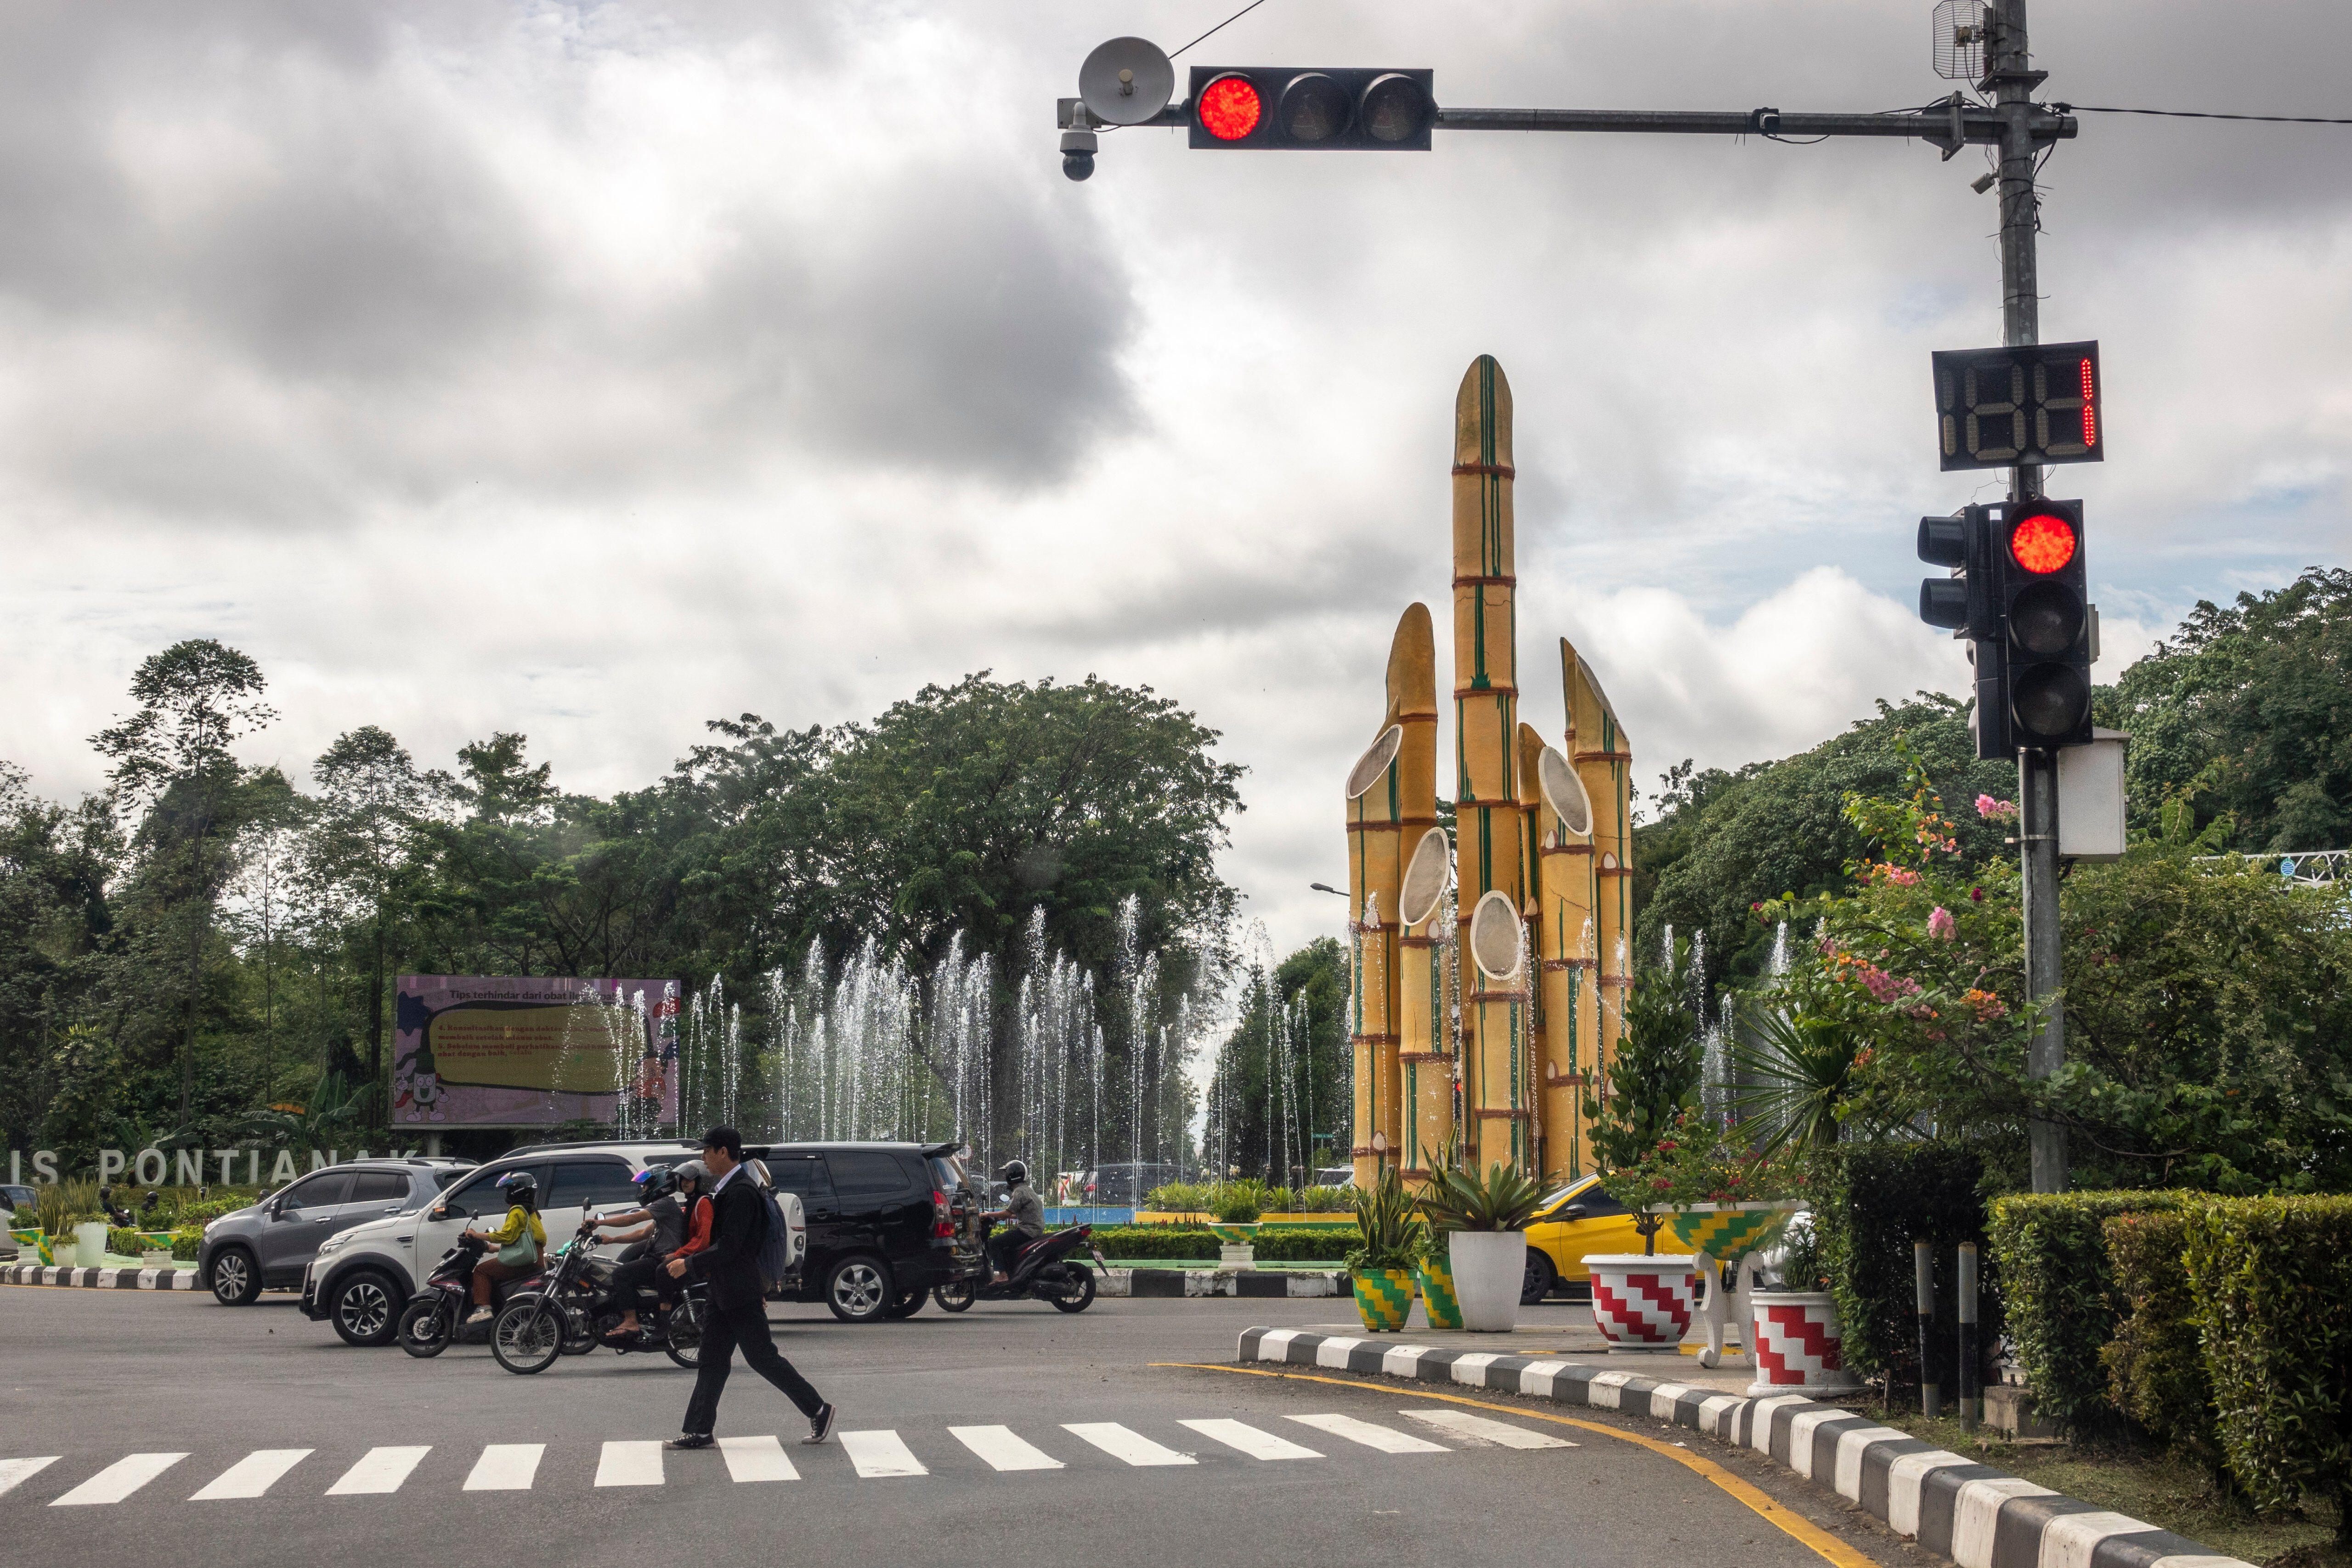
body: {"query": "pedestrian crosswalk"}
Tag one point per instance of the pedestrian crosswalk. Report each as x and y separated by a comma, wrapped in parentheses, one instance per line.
(866, 1455)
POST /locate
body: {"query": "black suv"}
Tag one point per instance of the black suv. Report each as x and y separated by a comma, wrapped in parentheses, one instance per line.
(887, 1222)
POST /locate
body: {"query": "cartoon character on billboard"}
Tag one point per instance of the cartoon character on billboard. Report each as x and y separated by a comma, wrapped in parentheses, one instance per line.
(418, 1077)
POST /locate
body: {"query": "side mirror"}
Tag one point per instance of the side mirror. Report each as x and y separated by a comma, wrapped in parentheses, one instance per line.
(1575, 1211)
(440, 1211)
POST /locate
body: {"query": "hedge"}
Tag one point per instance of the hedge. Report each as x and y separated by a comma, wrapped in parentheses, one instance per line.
(2058, 1293)
(1303, 1244)
(2273, 1280)
(1185, 1241)
(186, 1243)
(1870, 1205)
(2155, 1365)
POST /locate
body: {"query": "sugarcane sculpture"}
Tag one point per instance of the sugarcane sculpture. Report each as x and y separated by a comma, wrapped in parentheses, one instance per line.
(1540, 863)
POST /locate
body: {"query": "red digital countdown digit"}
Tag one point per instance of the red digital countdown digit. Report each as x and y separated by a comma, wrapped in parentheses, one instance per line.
(2032, 406)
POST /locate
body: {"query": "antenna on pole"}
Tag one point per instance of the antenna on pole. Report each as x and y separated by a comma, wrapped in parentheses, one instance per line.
(1959, 50)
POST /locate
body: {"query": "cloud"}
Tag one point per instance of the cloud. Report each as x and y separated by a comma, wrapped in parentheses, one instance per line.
(590, 370)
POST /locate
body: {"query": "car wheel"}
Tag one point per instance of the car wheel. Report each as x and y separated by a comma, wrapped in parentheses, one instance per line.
(1537, 1278)
(364, 1310)
(908, 1305)
(956, 1298)
(237, 1278)
(858, 1289)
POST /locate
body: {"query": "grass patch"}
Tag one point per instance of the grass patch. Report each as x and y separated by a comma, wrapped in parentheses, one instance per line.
(2147, 1483)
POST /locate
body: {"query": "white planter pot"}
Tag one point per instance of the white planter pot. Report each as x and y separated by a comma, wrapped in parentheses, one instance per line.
(1642, 1303)
(155, 1258)
(61, 1250)
(1488, 1266)
(1798, 1344)
(1230, 1256)
(90, 1242)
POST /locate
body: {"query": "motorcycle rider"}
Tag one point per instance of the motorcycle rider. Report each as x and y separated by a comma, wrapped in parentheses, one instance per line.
(521, 1241)
(660, 1230)
(1026, 1214)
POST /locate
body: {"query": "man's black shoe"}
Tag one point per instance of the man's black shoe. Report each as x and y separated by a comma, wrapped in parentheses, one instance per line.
(691, 1440)
(820, 1427)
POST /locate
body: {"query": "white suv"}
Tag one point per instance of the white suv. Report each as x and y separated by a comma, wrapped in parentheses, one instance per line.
(361, 1279)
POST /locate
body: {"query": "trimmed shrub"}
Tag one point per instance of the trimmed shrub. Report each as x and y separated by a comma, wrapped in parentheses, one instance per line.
(2154, 1365)
(1869, 1206)
(1327, 1200)
(1302, 1244)
(124, 1242)
(184, 1244)
(2058, 1294)
(2273, 1279)
(1149, 1241)
(203, 1214)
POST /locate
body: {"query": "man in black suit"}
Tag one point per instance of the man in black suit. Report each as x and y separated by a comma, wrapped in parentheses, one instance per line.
(739, 1310)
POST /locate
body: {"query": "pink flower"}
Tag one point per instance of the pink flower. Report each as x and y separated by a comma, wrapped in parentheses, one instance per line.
(1939, 924)
(1996, 810)
(1887, 987)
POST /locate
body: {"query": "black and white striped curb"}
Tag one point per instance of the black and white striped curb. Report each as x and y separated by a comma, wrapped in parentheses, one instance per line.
(1977, 1516)
(1280, 1282)
(100, 1279)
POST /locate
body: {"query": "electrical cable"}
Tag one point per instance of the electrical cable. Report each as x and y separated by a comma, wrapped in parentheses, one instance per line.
(1221, 26)
(2201, 114)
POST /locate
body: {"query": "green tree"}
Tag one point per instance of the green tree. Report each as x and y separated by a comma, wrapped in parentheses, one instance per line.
(372, 801)
(2245, 715)
(1294, 1015)
(171, 763)
(1651, 1084)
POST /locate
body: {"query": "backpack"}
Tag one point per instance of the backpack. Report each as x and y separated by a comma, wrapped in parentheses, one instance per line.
(786, 1241)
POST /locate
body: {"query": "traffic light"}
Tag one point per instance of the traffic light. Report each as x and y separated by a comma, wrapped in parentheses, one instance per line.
(2046, 617)
(1299, 108)
(2017, 594)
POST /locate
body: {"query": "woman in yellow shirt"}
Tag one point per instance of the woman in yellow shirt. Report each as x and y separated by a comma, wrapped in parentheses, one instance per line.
(521, 1241)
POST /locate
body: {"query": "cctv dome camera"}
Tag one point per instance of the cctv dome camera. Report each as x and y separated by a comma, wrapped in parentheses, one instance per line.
(1078, 153)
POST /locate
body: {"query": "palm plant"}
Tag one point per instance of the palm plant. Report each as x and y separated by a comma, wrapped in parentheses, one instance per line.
(1503, 1199)
(1388, 1229)
(1792, 1070)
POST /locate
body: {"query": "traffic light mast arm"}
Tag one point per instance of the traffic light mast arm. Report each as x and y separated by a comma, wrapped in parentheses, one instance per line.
(1972, 122)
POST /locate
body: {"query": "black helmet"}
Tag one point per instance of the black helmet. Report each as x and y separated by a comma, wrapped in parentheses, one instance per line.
(656, 1181)
(521, 1187)
(1015, 1172)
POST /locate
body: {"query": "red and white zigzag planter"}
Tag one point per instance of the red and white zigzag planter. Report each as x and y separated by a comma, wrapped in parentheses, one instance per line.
(1642, 1303)
(1800, 1344)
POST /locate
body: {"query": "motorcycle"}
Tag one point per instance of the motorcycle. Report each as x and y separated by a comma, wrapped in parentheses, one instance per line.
(435, 1315)
(1044, 1271)
(569, 1310)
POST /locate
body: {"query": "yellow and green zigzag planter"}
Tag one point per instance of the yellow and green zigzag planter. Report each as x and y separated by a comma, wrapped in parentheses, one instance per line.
(1383, 1298)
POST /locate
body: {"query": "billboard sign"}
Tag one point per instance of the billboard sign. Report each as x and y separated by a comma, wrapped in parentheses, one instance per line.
(509, 1051)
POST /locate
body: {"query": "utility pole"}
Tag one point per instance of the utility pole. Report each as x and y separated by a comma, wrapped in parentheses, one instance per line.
(2010, 71)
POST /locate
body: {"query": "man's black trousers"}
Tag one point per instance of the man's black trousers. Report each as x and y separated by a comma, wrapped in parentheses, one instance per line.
(722, 1332)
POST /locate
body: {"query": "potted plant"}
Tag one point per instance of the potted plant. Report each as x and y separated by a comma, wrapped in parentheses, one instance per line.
(1389, 1238)
(1484, 1221)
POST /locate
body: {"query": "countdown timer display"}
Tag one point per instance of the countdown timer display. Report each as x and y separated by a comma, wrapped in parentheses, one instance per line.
(1996, 408)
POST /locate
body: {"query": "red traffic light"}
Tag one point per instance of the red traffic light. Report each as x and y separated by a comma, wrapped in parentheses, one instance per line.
(2042, 544)
(1230, 108)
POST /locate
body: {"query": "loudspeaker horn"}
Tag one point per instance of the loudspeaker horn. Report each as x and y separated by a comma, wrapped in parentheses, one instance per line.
(1127, 82)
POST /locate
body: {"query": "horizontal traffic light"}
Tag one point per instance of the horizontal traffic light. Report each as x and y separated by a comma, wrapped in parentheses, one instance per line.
(1304, 108)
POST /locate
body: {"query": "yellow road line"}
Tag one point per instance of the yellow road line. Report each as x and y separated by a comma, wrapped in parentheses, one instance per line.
(1827, 1547)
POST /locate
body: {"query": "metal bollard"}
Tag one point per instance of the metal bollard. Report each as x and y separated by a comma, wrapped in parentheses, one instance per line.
(1971, 1396)
(1923, 1269)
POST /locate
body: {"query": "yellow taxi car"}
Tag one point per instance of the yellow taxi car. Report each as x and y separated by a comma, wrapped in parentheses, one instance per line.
(1576, 1220)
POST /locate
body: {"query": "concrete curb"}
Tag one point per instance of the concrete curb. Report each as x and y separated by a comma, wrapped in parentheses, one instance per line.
(1172, 1283)
(1973, 1514)
(102, 1278)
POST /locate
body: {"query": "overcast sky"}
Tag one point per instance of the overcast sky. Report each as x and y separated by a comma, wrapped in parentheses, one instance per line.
(592, 371)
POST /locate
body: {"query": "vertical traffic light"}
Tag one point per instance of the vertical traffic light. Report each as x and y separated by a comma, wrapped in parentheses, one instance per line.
(2046, 620)
(1968, 604)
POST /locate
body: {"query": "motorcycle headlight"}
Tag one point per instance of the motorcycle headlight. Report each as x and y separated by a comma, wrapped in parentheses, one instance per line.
(333, 1244)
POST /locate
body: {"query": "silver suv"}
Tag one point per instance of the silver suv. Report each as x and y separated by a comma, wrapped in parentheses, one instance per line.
(267, 1246)
(361, 1279)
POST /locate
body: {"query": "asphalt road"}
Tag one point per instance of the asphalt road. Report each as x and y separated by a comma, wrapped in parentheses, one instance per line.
(94, 1378)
